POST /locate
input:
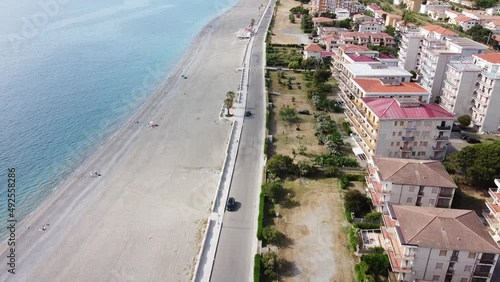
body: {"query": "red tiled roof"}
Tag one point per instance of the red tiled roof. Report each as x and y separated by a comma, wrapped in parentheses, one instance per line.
(313, 48)
(385, 56)
(463, 19)
(438, 29)
(389, 108)
(360, 58)
(374, 85)
(374, 7)
(349, 47)
(326, 54)
(493, 58)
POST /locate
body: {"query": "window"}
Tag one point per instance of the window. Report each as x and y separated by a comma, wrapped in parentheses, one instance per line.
(424, 144)
(401, 123)
(425, 134)
(394, 133)
(418, 123)
(434, 190)
(416, 133)
(439, 265)
(442, 253)
(415, 143)
(397, 143)
(427, 123)
(392, 143)
(409, 200)
(412, 154)
(468, 268)
(422, 153)
(432, 202)
(472, 255)
(464, 280)
(412, 189)
(435, 278)
(400, 133)
(396, 123)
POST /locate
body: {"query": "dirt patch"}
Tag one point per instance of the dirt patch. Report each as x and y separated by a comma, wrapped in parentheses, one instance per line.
(315, 229)
(470, 198)
(287, 138)
(285, 32)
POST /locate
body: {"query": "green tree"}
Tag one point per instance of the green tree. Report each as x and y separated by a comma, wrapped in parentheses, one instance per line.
(281, 165)
(465, 120)
(373, 216)
(306, 23)
(378, 264)
(229, 101)
(294, 65)
(270, 234)
(292, 17)
(321, 75)
(479, 164)
(271, 264)
(390, 30)
(274, 191)
(357, 203)
(288, 114)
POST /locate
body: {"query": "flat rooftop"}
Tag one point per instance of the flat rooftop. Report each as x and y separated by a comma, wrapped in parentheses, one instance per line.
(376, 70)
(467, 43)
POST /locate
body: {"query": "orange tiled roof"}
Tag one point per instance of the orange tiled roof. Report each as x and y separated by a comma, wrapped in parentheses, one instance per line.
(493, 58)
(371, 85)
(313, 48)
(438, 29)
(463, 19)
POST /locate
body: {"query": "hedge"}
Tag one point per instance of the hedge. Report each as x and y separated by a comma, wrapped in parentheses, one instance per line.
(352, 235)
(343, 182)
(355, 177)
(347, 214)
(367, 225)
(257, 263)
(260, 220)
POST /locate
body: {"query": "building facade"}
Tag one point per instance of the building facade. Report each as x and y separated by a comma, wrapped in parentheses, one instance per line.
(486, 103)
(435, 244)
(492, 213)
(409, 182)
(398, 127)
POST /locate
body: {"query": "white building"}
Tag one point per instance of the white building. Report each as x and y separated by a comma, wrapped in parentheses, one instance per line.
(492, 214)
(381, 124)
(465, 22)
(409, 182)
(436, 244)
(436, 6)
(494, 26)
(493, 11)
(342, 13)
(323, 6)
(459, 83)
(409, 47)
(435, 56)
(486, 104)
(370, 26)
(312, 50)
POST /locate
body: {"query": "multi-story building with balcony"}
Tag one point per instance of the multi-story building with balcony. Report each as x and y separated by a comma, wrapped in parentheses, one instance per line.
(408, 50)
(458, 86)
(492, 214)
(436, 244)
(486, 96)
(323, 6)
(435, 56)
(388, 88)
(398, 127)
(409, 182)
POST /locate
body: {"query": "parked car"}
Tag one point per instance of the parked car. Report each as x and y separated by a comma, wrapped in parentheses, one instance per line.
(231, 203)
(248, 113)
(304, 112)
(471, 140)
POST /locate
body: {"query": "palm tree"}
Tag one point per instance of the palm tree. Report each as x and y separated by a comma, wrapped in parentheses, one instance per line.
(229, 101)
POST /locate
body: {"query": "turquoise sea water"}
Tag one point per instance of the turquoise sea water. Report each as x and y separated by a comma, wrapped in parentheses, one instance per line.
(71, 72)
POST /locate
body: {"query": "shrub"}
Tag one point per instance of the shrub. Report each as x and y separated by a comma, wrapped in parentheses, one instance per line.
(270, 234)
(331, 171)
(305, 168)
(357, 203)
(281, 166)
(465, 120)
(355, 177)
(271, 264)
(343, 182)
(367, 225)
(373, 216)
(347, 129)
(288, 114)
(260, 219)
(273, 191)
(378, 264)
(353, 238)
(325, 160)
(257, 263)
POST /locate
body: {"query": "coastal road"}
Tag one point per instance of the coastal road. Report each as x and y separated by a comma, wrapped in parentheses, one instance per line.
(235, 250)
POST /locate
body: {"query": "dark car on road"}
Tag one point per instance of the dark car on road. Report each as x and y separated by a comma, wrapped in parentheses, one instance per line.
(248, 113)
(469, 139)
(231, 202)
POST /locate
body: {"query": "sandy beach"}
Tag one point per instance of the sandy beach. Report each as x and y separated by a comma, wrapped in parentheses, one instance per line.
(143, 219)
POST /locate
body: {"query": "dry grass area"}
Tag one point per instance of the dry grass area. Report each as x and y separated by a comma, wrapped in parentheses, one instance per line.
(285, 133)
(470, 198)
(312, 220)
(315, 226)
(285, 32)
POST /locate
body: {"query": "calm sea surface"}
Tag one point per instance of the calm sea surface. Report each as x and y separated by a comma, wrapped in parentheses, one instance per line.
(71, 72)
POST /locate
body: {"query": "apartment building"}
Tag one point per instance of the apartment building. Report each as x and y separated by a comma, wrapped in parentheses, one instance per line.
(492, 214)
(465, 22)
(413, 5)
(437, 6)
(370, 26)
(323, 6)
(486, 96)
(409, 47)
(409, 182)
(459, 83)
(436, 244)
(381, 124)
(436, 55)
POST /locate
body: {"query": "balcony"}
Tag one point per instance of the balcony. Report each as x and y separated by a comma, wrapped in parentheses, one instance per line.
(487, 259)
(453, 258)
(410, 128)
(492, 206)
(405, 149)
(434, 158)
(443, 128)
(441, 138)
(450, 92)
(408, 138)
(480, 102)
(481, 274)
(479, 110)
(493, 222)
(494, 193)
(482, 92)
(438, 149)
(394, 252)
(445, 193)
